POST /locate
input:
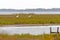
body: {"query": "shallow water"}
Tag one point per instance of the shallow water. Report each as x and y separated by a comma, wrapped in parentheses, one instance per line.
(28, 29)
(4, 13)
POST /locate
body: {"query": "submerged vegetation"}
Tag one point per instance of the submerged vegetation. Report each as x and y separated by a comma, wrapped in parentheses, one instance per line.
(28, 37)
(29, 19)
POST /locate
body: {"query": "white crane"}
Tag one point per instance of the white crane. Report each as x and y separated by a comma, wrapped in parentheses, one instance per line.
(17, 16)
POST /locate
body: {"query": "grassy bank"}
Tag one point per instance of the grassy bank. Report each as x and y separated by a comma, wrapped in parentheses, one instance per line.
(30, 19)
(28, 37)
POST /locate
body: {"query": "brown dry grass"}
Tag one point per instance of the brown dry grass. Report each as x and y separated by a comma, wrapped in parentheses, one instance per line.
(27, 37)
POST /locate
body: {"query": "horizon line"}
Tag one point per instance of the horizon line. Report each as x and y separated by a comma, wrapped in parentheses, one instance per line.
(29, 8)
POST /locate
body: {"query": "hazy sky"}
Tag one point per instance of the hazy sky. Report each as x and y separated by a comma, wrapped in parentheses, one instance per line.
(23, 4)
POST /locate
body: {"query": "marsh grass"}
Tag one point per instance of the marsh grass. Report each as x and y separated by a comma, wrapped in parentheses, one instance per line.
(27, 37)
(34, 19)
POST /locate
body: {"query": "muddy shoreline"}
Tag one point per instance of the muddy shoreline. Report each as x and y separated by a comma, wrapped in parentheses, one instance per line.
(22, 25)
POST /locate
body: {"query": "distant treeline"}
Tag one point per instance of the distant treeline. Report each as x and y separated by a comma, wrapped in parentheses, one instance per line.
(31, 10)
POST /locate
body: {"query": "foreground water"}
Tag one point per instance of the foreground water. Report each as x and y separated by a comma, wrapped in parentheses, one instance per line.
(28, 29)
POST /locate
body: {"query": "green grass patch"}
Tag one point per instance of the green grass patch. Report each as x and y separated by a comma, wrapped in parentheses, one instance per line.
(33, 19)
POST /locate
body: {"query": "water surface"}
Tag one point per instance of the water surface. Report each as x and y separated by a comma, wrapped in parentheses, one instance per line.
(30, 29)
